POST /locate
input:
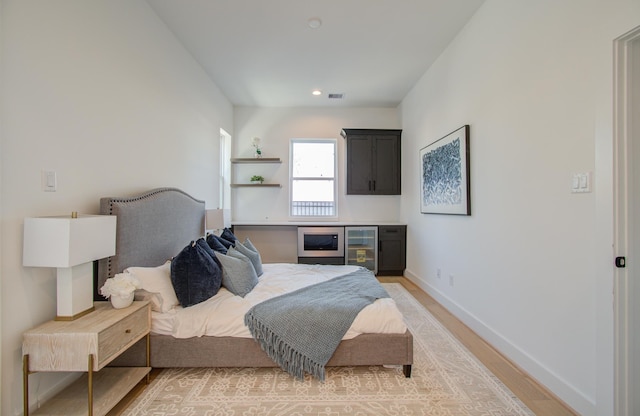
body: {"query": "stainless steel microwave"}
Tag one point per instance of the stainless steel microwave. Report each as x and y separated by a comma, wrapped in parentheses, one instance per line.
(320, 241)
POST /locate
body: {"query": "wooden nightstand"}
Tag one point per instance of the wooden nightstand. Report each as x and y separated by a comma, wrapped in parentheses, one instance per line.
(88, 344)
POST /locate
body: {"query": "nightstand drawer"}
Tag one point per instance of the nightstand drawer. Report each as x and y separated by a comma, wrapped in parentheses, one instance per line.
(122, 335)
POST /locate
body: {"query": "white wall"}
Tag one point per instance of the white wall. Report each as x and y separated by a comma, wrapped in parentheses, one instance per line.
(276, 127)
(102, 93)
(1, 186)
(532, 265)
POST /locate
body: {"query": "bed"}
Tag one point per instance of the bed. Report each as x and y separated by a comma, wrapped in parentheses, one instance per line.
(152, 228)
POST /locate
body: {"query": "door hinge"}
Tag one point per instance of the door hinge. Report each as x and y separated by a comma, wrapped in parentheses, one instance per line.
(621, 262)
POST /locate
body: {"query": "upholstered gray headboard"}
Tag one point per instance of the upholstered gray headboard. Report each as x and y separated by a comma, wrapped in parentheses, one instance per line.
(151, 228)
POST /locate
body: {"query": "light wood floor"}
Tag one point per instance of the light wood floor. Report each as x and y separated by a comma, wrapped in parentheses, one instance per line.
(536, 397)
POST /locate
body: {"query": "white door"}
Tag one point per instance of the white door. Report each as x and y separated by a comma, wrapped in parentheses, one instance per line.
(627, 223)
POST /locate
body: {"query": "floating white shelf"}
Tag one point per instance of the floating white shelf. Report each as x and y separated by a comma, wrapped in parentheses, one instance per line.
(256, 185)
(256, 160)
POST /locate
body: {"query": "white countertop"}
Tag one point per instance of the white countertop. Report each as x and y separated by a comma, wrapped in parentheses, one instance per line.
(314, 223)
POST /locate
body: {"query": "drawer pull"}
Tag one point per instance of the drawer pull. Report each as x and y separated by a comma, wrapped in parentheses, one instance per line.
(128, 331)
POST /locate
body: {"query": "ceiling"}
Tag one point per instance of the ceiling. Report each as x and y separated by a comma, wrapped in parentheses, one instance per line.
(264, 52)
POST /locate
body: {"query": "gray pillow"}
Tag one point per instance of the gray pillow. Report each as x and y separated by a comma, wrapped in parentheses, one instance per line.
(238, 274)
(251, 252)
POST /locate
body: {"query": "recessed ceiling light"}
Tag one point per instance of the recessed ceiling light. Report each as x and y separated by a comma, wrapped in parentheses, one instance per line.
(314, 22)
(316, 92)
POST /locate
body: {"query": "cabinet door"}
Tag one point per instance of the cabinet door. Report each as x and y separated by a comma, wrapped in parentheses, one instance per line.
(373, 161)
(392, 249)
(359, 165)
(386, 162)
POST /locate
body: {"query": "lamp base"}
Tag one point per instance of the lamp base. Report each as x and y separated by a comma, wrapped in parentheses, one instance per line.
(74, 317)
(74, 292)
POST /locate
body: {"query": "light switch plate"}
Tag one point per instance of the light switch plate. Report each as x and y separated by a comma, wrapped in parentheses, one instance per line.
(581, 183)
(49, 181)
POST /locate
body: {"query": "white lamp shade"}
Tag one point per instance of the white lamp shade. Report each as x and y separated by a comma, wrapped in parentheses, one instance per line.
(217, 218)
(66, 241)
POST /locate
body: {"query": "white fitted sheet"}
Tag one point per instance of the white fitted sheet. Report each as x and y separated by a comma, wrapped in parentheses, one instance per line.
(223, 314)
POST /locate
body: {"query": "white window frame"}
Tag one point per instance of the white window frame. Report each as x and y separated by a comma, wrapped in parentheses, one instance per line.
(335, 180)
(224, 193)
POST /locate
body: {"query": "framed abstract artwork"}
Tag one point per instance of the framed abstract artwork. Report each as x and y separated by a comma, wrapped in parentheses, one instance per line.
(444, 169)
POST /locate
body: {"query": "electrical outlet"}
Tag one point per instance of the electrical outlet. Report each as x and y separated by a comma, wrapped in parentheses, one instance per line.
(451, 280)
(438, 273)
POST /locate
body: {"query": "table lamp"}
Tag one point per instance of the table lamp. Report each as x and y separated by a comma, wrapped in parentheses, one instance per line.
(70, 244)
(217, 219)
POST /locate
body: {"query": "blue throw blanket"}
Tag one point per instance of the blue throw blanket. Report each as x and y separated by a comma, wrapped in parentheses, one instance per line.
(301, 330)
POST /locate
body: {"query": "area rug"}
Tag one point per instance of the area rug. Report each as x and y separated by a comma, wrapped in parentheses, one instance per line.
(446, 380)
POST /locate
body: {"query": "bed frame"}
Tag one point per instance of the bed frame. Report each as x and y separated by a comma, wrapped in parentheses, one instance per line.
(154, 227)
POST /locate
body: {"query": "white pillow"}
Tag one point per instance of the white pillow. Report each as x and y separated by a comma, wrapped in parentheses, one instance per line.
(157, 280)
(155, 299)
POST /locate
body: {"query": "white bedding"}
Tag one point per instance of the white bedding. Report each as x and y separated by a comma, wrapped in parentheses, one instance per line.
(223, 314)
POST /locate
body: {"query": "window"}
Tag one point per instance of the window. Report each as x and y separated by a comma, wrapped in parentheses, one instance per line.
(313, 178)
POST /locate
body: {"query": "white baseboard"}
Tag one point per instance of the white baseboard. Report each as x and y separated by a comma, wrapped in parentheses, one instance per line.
(543, 375)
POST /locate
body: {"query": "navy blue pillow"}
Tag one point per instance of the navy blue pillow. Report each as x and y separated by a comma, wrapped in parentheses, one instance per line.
(228, 235)
(226, 243)
(195, 274)
(215, 244)
(205, 246)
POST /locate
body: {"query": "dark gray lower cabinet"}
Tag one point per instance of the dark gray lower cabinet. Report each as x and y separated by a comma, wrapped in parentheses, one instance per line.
(392, 250)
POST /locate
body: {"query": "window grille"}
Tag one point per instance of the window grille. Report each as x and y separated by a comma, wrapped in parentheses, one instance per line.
(313, 178)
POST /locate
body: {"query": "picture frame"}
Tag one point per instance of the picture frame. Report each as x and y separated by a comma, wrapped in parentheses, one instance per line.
(445, 175)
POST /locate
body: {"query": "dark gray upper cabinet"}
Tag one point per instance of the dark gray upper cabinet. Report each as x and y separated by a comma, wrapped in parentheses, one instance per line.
(373, 161)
